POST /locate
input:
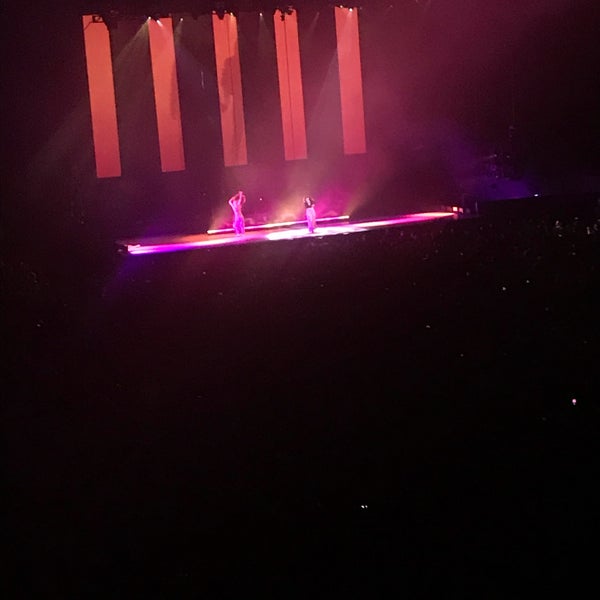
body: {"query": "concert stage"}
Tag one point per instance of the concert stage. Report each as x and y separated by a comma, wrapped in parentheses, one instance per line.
(271, 232)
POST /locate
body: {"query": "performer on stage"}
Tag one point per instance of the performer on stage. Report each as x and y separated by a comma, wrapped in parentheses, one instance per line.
(236, 202)
(311, 215)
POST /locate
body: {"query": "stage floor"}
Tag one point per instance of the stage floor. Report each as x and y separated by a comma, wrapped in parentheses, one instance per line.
(271, 232)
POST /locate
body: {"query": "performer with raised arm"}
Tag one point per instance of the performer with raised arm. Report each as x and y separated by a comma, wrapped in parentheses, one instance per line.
(236, 202)
(311, 215)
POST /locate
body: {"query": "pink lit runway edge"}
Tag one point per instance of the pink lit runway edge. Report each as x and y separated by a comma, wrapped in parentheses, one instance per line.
(271, 232)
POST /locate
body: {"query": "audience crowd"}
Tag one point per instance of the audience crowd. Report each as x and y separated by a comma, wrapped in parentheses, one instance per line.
(410, 408)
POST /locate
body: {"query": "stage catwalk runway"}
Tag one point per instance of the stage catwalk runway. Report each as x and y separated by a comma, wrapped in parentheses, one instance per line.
(271, 232)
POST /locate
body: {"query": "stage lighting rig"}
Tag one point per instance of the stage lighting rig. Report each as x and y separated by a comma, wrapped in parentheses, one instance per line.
(158, 16)
(286, 9)
(220, 10)
(110, 18)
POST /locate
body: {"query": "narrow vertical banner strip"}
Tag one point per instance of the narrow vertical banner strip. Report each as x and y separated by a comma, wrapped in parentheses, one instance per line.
(291, 95)
(102, 97)
(229, 80)
(166, 94)
(351, 90)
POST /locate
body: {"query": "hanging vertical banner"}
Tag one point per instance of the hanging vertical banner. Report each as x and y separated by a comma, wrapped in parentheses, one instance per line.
(351, 92)
(101, 87)
(229, 80)
(291, 94)
(166, 94)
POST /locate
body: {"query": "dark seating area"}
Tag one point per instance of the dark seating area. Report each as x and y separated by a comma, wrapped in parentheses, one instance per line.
(411, 410)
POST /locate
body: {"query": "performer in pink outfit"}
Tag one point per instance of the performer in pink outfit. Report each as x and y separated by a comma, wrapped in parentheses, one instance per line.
(236, 202)
(311, 215)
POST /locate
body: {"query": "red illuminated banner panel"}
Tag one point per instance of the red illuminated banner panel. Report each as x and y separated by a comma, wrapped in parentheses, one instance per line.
(102, 97)
(229, 79)
(351, 93)
(290, 85)
(166, 94)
